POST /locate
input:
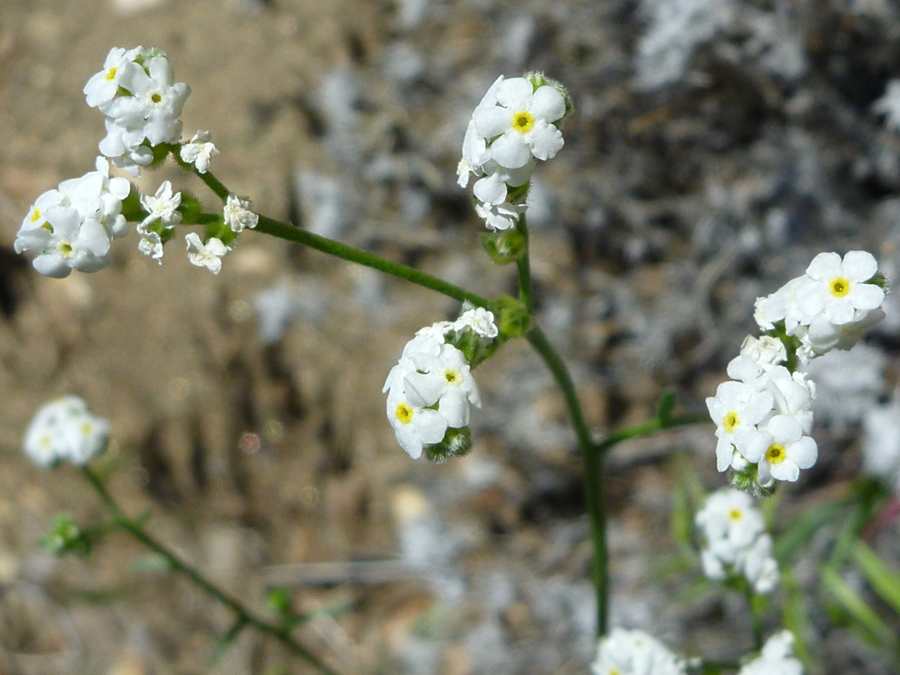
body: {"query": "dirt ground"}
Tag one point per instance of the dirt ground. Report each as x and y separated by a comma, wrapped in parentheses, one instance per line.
(265, 458)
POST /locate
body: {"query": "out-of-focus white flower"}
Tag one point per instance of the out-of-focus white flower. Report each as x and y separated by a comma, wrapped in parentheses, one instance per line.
(881, 443)
(238, 214)
(65, 430)
(777, 658)
(208, 255)
(889, 106)
(634, 652)
(521, 123)
(199, 151)
(735, 541)
(66, 241)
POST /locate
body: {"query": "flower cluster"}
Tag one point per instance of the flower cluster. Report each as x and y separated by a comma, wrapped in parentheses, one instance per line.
(777, 658)
(431, 390)
(764, 414)
(72, 226)
(142, 104)
(735, 540)
(634, 652)
(515, 123)
(65, 429)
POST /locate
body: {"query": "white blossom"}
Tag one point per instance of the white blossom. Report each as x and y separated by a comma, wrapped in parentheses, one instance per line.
(479, 320)
(199, 151)
(208, 255)
(781, 450)
(161, 207)
(103, 86)
(777, 658)
(65, 430)
(634, 652)
(736, 409)
(238, 214)
(521, 123)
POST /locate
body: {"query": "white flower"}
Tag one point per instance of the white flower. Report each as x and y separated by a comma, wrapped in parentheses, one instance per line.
(208, 255)
(776, 658)
(151, 244)
(736, 409)
(199, 151)
(500, 216)
(793, 394)
(758, 356)
(492, 189)
(881, 442)
(634, 652)
(238, 214)
(413, 425)
(521, 123)
(152, 111)
(759, 567)
(65, 241)
(730, 521)
(161, 207)
(65, 429)
(889, 105)
(781, 450)
(783, 305)
(479, 320)
(474, 150)
(446, 381)
(837, 290)
(103, 86)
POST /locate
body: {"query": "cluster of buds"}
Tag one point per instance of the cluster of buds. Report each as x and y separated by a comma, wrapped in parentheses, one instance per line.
(515, 123)
(65, 430)
(72, 226)
(735, 541)
(431, 389)
(764, 414)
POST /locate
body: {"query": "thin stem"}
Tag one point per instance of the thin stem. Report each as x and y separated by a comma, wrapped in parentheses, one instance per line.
(523, 263)
(297, 235)
(594, 484)
(647, 428)
(755, 617)
(244, 616)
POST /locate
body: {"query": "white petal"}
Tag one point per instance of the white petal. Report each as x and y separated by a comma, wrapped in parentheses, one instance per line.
(548, 104)
(510, 150)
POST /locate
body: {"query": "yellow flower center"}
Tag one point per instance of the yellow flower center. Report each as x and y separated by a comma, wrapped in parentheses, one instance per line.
(731, 421)
(404, 413)
(87, 428)
(776, 454)
(615, 671)
(452, 376)
(839, 287)
(35, 215)
(523, 121)
(65, 249)
(156, 98)
(111, 73)
(734, 515)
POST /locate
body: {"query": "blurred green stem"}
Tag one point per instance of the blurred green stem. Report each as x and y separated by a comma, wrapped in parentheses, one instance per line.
(243, 616)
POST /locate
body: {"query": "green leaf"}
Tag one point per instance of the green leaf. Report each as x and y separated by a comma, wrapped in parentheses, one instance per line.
(665, 407)
(884, 580)
(857, 611)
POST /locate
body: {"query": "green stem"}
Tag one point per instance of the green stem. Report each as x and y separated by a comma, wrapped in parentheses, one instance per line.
(298, 235)
(243, 615)
(647, 428)
(594, 485)
(523, 263)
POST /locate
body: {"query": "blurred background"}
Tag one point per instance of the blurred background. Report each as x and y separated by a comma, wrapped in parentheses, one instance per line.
(717, 146)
